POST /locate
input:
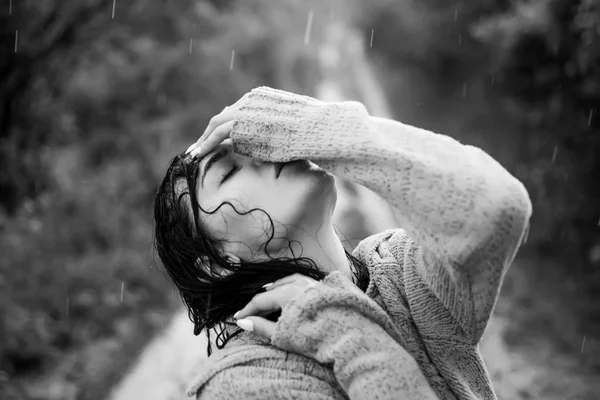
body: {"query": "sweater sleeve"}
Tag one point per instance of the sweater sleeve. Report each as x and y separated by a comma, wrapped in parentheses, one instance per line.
(336, 324)
(463, 210)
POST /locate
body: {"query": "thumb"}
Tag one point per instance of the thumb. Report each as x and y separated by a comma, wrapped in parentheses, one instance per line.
(259, 325)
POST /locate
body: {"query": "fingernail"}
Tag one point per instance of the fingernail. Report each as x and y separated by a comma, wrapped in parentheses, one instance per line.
(190, 148)
(266, 285)
(196, 151)
(245, 324)
(236, 314)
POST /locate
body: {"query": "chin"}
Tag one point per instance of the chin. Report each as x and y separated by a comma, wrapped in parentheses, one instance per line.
(318, 171)
(319, 184)
(325, 191)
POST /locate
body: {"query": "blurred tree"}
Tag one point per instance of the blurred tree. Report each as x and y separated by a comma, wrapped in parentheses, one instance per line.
(545, 57)
(33, 37)
(432, 36)
(96, 97)
(520, 79)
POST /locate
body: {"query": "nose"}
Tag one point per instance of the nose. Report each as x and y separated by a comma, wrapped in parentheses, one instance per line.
(263, 168)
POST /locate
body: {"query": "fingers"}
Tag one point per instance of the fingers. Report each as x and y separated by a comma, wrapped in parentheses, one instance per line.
(192, 147)
(261, 304)
(226, 116)
(223, 117)
(276, 296)
(259, 325)
(289, 279)
(217, 136)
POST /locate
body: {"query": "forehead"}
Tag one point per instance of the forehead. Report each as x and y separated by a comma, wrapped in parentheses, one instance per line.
(224, 146)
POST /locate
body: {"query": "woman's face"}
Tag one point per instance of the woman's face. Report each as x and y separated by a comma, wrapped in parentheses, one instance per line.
(298, 196)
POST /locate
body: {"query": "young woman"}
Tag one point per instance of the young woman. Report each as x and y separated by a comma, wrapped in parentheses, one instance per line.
(251, 203)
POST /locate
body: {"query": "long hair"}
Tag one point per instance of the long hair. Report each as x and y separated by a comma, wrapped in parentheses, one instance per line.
(190, 256)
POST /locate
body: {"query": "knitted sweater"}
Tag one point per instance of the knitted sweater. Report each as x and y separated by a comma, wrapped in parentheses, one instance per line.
(414, 334)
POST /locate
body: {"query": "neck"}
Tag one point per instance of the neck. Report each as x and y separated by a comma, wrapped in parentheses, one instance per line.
(326, 250)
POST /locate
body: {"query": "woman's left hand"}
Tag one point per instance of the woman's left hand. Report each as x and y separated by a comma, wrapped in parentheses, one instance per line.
(278, 294)
(218, 129)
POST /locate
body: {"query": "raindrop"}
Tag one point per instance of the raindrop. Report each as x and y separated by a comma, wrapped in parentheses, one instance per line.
(113, 9)
(10, 7)
(493, 80)
(455, 14)
(191, 44)
(554, 153)
(308, 27)
(590, 117)
(464, 90)
(372, 32)
(67, 306)
(526, 236)
(16, 40)
(122, 289)
(232, 59)
(582, 345)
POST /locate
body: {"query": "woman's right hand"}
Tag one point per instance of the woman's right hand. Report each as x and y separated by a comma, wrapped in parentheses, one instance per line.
(277, 295)
(218, 129)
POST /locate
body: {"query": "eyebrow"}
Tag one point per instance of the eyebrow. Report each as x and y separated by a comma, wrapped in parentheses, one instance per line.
(216, 156)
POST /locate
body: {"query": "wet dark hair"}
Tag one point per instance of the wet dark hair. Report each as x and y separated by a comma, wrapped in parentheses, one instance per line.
(181, 241)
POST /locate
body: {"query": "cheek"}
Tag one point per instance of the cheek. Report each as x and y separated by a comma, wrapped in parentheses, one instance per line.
(281, 206)
(244, 235)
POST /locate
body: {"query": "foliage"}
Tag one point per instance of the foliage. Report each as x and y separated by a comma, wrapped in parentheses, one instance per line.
(517, 78)
(545, 56)
(90, 116)
(93, 106)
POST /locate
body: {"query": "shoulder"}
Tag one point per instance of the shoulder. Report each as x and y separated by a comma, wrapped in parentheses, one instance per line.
(385, 255)
(258, 372)
(265, 381)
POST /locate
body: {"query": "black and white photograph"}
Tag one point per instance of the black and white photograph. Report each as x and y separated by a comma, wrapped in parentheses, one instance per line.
(300, 199)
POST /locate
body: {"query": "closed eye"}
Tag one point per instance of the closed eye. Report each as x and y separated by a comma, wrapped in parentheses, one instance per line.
(229, 174)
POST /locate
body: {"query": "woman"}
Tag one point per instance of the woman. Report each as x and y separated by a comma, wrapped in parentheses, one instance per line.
(399, 318)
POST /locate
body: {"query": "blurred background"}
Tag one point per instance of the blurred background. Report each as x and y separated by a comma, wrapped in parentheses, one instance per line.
(96, 96)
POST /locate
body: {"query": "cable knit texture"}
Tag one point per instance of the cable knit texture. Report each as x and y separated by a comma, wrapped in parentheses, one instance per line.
(414, 334)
